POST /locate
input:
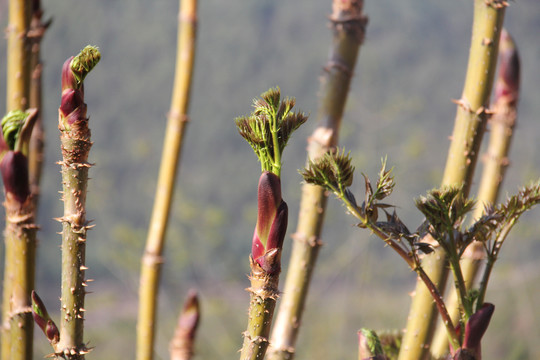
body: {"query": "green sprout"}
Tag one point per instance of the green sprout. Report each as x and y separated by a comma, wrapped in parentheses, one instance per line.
(84, 62)
(269, 128)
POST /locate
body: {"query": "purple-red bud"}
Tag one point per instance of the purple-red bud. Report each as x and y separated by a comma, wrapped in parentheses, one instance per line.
(272, 219)
(72, 106)
(51, 331)
(507, 86)
(68, 78)
(477, 326)
(189, 318)
(42, 319)
(69, 81)
(14, 168)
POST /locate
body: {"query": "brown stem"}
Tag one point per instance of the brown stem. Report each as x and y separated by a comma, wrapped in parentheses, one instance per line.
(174, 135)
(182, 343)
(35, 156)
(348, 25)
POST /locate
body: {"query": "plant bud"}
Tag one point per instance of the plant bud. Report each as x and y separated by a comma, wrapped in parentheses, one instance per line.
(14, 168)
(42, 319)
(271, 220)
(477, 326)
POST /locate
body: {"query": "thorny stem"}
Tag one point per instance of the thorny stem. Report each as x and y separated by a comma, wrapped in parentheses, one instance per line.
(348, 27)
(468, 131)
(174, 135)
(263, 295)
(20, 249)
(75, 144)
(17, 99)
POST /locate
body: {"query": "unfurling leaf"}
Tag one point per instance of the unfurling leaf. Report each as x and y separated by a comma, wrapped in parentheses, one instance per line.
(385, 183)
(444, 208)
(268, 128)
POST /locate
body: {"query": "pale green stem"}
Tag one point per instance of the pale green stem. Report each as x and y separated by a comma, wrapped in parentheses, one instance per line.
(18, 61)
(172, 145)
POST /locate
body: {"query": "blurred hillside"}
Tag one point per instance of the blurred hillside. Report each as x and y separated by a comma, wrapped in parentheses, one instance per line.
(411, 65)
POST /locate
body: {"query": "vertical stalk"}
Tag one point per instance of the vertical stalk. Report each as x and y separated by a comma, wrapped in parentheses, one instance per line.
(177, 120)
(348, 25)
(17, 99)
(267, 130)
(469, 127)
(18, 61)
(20, 234)
(75, 144)
(21, 243)
(35, 156)
(263, 294)
(496, 161)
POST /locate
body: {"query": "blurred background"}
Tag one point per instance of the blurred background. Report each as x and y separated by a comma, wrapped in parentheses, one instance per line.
(410, 67)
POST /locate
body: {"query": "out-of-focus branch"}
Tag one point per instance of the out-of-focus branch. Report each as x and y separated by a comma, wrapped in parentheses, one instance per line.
(172, 145)
(182, 343)
(470, 122)
(348, 26)
(502, 123)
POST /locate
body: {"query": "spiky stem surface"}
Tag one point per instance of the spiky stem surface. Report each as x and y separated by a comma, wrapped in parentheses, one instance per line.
(469, 127)
(75, 149)
(174, 135)
(348, 26)
(20, 236)
(75, 144)
(17, 99)
(263, 295)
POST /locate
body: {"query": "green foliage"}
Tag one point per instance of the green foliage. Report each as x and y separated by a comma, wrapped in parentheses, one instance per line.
(444, 210)
(372, 341)
(269, 128)
(84, 62)
(17, 128)
(333, 171)
(12, 124)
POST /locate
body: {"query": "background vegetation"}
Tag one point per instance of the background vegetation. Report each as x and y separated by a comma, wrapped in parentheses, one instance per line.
(410, 67)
